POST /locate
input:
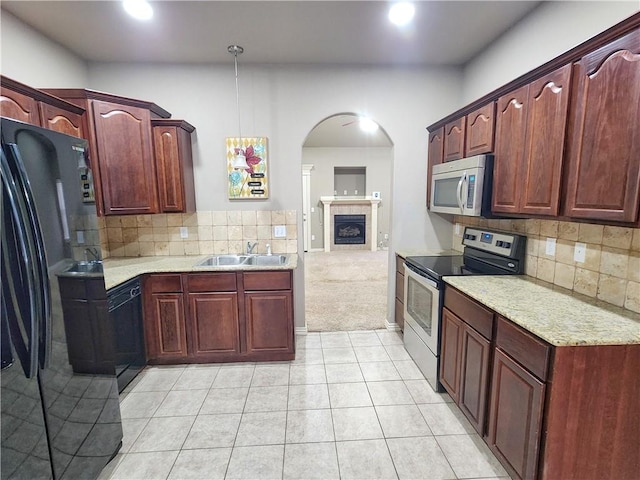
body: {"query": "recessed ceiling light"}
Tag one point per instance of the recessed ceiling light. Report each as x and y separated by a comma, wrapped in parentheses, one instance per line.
(138, 9)
(401, 13)
(367, 125)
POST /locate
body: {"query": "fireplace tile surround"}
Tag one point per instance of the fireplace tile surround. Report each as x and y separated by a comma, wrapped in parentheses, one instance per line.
(350, 206)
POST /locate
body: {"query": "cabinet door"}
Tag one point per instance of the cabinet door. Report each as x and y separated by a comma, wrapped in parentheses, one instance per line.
(450, 354)
(515, 417)
(213, 324)
(19, 107)
(547, 110)
(511, 121)
(604, 149)
(474, 377)
(480, 130)
(60, 120)
(436, 156)
(269, 317)
(454, 138)
(165, 333)
(167, 150)
(127, 173)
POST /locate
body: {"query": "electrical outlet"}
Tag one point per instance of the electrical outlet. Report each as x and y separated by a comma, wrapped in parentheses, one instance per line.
(313, 237)
(184, 232)
(80, 237)
(551, 247)
(280, 231)
(313, 209)
(345, 192)
(457, 229)
(580, 252)
(386, 236)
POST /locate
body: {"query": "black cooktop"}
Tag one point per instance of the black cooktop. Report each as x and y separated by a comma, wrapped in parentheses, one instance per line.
(440, 266)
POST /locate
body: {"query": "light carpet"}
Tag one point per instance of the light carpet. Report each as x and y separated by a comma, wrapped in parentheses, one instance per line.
(346, 290)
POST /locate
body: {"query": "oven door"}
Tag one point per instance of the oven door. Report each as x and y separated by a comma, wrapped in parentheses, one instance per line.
(422, 307)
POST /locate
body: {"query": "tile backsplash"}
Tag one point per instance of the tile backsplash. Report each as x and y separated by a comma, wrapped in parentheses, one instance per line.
(610, 272)
(208, 233)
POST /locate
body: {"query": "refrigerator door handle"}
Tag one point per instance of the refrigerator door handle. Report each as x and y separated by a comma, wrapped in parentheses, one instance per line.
(21, 321)
(43, 294)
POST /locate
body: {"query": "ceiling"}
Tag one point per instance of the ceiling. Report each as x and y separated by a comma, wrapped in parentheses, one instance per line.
(278, 32)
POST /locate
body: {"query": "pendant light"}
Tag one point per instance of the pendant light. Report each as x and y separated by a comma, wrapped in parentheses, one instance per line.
(239, 160)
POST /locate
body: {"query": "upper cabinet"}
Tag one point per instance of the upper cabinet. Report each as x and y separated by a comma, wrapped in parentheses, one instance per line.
(137, 170)
(174, 165)
(530, 131)
(454, 139)
(29, 105)
(436, 152)
(480, 130)
(603, 164)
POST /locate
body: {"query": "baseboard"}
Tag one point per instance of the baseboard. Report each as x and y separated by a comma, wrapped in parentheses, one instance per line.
(392, 326)
(301, 330)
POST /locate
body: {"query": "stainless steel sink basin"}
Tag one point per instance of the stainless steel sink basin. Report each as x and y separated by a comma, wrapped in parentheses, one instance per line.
(84, 269)
(266, 260)
(221, 260)
(229, 260)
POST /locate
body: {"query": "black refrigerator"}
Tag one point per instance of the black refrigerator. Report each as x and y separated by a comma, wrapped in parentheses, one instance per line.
(58, 421)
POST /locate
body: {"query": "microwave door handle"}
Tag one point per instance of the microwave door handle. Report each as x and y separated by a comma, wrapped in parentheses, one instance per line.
(459, 192)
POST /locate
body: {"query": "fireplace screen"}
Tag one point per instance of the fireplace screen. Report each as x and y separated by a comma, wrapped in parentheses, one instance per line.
(349, 229)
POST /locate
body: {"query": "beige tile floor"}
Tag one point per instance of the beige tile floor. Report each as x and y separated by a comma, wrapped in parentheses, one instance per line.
(353, 405)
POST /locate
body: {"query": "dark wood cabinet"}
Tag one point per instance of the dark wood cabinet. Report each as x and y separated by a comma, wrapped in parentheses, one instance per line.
(529, 148)
(89, 333)
(219, 317)
(450, 352)
(138, 167)
(603, 167)
(18, 106)
(454, 139)
(125, 152)
(164, 318)
(467, 331)
(174, 165)
(399, 300)
(63, 121)
(436, 156)
(480, 130)
(515, 418)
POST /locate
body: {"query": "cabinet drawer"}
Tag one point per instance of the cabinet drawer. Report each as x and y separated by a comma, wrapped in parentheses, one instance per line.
(163, 283)
(72, 288)
(531, 352)
(267, 280)
(474, 314)
(399, 264)
(211, 282)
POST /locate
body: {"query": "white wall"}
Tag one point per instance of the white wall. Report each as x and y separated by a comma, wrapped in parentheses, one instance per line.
(31, 58)
(379, 164)
(548, 31)
(284, 104)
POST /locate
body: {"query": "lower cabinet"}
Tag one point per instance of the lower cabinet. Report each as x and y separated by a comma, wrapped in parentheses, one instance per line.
(219, 317)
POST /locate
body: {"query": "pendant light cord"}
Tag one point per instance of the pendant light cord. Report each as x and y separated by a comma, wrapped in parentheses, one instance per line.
(237, 49)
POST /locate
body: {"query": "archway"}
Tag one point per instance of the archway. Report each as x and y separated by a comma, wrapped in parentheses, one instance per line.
(347, 174)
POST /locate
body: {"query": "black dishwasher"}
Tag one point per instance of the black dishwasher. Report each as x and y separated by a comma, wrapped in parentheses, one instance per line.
(125, 314)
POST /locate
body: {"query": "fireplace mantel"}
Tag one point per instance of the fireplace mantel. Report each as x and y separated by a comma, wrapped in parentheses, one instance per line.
(370, 202)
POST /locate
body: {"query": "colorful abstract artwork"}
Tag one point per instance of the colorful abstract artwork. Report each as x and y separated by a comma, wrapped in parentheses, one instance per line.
(250, 181)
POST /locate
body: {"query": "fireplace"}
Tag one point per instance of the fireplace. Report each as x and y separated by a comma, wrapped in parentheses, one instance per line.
(349, 229)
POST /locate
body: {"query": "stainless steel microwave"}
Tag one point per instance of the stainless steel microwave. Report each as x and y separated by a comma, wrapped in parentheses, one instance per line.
(463, 187)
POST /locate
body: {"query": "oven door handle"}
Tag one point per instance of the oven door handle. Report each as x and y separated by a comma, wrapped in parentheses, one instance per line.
(420, 277)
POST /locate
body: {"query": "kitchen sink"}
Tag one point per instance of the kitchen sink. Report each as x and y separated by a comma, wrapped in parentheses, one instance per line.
(84, 269)
(229, 260)
(266, 260)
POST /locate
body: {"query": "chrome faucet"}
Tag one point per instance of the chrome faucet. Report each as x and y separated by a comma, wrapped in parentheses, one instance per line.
(251, 247)
(93, 252)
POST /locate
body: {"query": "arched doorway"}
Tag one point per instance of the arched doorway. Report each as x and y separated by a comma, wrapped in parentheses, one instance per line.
(347, 195)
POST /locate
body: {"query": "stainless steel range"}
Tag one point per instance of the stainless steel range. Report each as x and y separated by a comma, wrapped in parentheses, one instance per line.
(486, 252)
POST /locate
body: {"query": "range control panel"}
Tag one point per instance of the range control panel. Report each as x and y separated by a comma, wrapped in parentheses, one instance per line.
(501, 243)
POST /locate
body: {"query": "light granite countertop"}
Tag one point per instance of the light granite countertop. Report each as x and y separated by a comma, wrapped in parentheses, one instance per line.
(556, 315)
(404, 253)
(120, 269)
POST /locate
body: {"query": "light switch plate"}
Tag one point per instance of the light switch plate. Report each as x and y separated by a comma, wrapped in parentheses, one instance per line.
(457, 229)
(184, 232)
(580, 252)
(551, 247)
(280, 231)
